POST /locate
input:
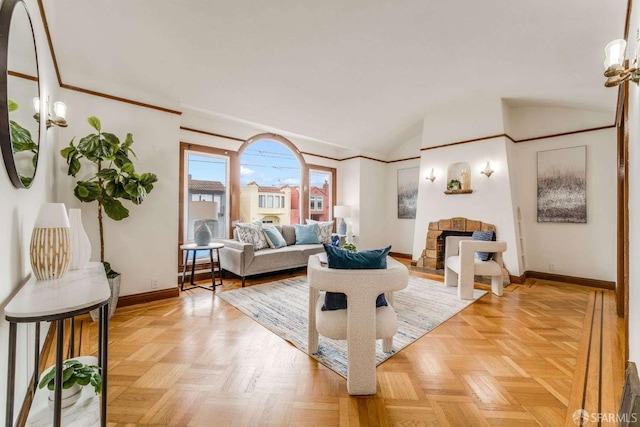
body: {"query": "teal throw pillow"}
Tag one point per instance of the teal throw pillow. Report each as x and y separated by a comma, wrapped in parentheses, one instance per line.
(486, 236)
(366, 259)
(306, 234)
(343, 259)
(274, 238)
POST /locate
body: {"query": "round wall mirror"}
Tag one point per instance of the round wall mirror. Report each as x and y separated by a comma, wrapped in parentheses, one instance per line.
(19, 85)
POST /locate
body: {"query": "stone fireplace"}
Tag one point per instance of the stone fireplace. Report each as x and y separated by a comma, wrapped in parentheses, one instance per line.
(433, 254)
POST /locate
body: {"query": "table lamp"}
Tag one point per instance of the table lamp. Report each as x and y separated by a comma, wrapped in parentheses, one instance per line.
(50, 249)
(342, 212)
(205, 215)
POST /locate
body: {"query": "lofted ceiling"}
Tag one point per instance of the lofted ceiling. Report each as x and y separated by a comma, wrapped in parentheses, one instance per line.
(357, 73)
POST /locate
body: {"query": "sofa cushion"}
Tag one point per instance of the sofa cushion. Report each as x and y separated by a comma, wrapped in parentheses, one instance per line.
(251, 232)
(325, 229)
(289, 234)
(306, 234)
(486, 236)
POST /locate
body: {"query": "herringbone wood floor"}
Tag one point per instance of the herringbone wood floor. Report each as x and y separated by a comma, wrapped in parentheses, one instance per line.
(531, 357)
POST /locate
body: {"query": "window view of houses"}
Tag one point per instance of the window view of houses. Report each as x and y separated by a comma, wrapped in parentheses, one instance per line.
(270, 182)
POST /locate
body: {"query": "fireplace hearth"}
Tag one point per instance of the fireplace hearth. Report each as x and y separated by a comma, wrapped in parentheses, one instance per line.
(433, 254)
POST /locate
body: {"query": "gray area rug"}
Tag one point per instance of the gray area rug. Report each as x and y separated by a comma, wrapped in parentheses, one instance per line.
(282, 308)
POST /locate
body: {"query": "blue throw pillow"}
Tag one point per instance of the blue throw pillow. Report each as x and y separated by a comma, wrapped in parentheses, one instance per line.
(367, 259)
(306, 234)
(338, 301)
(274, 238)
(487, 236)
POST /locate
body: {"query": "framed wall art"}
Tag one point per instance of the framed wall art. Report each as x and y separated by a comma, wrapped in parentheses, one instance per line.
(562, 185)
(408, 192)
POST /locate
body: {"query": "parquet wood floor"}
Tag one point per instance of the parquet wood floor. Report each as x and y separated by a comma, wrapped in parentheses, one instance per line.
(529, 358)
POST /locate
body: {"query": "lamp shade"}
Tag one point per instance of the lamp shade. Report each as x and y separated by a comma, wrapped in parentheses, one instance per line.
(50, 249)
(614, 52)
(203, 210)
(341, 211)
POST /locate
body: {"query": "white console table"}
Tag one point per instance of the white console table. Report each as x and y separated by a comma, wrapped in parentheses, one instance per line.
(78, 292)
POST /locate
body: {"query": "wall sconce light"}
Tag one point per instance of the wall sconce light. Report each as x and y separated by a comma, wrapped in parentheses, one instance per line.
(432, 176)
(58, 117)
(614, 69)
(487, 170)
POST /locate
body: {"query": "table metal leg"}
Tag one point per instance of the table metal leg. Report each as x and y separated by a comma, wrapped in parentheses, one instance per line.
(72, 337)
(184, 269)
(57, 400)
(102, 351)
(193, 267)
(36, 359)
(11, 374)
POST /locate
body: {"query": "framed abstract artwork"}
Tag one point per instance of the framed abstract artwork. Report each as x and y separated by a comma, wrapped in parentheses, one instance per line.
(408, 192)
(562, 185)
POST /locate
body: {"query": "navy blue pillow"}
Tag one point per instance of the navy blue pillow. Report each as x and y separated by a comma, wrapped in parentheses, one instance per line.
(347, 260)
(338, 301)
(487, 236)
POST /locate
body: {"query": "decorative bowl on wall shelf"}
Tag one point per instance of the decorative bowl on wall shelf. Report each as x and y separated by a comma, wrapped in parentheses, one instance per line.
(458, 191)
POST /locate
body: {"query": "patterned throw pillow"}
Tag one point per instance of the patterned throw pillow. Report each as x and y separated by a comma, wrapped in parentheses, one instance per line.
(251, 232)
(325, 229)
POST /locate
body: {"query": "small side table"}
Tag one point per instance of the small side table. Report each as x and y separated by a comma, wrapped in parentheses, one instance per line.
(215, 265)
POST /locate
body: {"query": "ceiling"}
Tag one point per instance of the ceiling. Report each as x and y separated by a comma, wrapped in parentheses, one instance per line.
(357, 73)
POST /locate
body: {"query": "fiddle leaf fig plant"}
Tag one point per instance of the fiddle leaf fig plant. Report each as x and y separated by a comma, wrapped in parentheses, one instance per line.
(115, 178)
(21, 140)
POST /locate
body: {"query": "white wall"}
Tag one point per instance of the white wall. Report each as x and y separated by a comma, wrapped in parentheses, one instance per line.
(348, 188)
(579, 250)
(143, 246)
(18, 212)
(634, 201)
(373, 225)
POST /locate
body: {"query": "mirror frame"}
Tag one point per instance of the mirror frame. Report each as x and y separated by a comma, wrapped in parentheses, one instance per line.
(6, 14)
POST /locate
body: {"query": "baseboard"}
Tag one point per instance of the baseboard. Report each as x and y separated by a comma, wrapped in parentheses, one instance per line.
(126, 300)
(519, 280)
(400, 255)
(582, 281)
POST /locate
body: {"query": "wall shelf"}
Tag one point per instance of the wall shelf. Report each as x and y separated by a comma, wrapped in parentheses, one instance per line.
(458, 191)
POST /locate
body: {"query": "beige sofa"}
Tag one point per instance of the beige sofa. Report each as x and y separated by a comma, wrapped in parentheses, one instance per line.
(242, 260)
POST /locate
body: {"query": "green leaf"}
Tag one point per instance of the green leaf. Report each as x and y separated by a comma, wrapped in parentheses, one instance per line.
(12, 106)
(95, 123)
(107, 174)
(74, 166)
(114, 209)
(148, 178)
(112, 139)
(21, 138)
(88, 191)
(97, 149)
(128, 168)
(48, 377)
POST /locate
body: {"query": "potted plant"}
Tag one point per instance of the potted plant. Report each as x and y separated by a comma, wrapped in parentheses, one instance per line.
(453, 185)
(75, 375)
(349, 247)
(113, 179)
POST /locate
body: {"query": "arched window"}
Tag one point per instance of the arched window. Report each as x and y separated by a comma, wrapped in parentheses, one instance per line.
(273, 181)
